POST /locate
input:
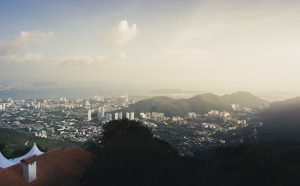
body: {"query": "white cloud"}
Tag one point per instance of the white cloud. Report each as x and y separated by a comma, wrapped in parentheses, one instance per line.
(82, 60)
(30, 57)
(122, 34)
(90, 60)
(189, 57)
(122, 55)
(13, 50)
(34, 37)
(25, 39)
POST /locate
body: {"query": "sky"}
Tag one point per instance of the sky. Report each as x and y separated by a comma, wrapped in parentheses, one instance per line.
(211, 45)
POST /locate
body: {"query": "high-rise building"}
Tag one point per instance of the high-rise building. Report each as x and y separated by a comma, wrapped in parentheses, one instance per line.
(64, 100)
(116, 116)
(120, 115)
(127, 115)
(37, 106)
(142, 115)
(89, 116)
(157, 115)
(101, 112)
(192, 115)
(3, 106)
(131, 116)
(108, 116)
(124, 99)
(235, 107)
(10, 100)
(87, 103)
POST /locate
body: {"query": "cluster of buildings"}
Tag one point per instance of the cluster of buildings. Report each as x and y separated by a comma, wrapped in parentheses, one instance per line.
(82, 119)
(107, 117)
(75, 119)
(152, 115)
(104, 116)
(204, 130)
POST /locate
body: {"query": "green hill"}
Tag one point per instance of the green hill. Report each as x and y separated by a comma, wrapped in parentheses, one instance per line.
(245, 99)
(200, 104)
(14, 143)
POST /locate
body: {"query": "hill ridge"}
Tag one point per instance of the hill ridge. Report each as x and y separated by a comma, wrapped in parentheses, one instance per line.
(200, 103)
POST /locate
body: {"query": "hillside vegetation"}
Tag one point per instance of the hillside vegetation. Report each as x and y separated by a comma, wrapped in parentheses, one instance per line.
(129, 154)
(281, 121)
(14, 143)
(200, 104)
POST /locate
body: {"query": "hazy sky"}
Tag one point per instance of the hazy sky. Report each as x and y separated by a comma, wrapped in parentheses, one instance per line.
(206, 45)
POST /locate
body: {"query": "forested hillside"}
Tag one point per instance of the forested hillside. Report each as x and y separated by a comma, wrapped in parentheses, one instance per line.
(200, 104)
(14, 143)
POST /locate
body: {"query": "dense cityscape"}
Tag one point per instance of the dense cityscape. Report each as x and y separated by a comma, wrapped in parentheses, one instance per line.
(149, 93)
(81, 120)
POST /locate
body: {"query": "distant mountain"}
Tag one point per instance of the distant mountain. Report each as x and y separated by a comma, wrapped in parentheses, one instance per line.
(288, 103)
(172, 91)
(245, 99)
(277, 95)
(282, 121)
(166, 91)
(200, 104)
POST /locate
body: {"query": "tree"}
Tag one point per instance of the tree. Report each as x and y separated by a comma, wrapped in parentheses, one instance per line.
(129, 154)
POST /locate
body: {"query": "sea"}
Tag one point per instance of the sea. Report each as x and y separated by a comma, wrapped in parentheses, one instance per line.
(70, 92)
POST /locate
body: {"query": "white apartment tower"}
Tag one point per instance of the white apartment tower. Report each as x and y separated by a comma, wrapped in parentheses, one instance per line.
(127, 115)
(89, 115)
(131, 116)
(108, 116)
(116, 116)
(101, 112)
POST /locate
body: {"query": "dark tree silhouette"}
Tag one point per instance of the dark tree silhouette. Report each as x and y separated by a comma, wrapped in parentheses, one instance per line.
(129, 155)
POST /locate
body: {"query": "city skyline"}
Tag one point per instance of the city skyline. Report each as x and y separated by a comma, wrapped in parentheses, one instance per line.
(203, 45)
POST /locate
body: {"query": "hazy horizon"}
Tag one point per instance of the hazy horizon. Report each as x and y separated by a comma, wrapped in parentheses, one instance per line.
(215, 46)
(88, 90)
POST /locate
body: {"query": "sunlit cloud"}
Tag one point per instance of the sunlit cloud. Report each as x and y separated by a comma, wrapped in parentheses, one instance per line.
(25, 39)
(122, 55)
(121, 34)
(82, 60)
(13, 50)
(90, 60)
(30, 57)
(227, 41)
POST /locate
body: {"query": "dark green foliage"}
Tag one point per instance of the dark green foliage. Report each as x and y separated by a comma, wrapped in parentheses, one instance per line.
(15, 143)
(251, 165)
(2, 146)
(129, 155)
(281, 121)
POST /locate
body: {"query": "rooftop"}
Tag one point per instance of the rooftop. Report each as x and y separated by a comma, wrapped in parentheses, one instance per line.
(56, 167)
(30, 159)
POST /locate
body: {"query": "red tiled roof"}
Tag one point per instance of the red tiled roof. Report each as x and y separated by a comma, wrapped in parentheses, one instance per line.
(56, 167)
